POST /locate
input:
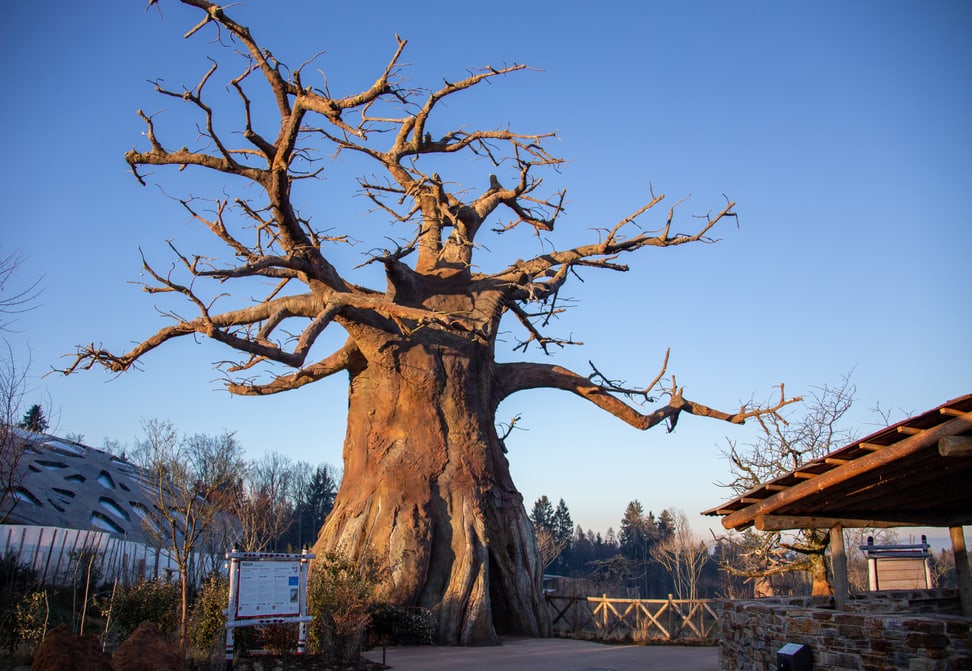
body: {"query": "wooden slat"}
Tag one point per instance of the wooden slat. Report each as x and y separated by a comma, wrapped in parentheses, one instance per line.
(910, 430)
(954, 412)
(835, 461)
(871, 447)
(804, 475)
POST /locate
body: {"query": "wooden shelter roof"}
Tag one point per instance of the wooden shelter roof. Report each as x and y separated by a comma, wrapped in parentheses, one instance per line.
(917, 472)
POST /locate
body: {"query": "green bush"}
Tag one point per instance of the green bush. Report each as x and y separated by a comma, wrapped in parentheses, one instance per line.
(17, 583)
(157, 601)
(340, 594)
(207, 622)
(394, 625)
(32, 616)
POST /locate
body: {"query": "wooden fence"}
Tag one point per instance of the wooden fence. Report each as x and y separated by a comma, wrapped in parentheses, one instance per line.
(638, 620)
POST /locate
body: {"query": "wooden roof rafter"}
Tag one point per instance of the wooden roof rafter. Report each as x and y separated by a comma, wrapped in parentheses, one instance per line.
(913, 473)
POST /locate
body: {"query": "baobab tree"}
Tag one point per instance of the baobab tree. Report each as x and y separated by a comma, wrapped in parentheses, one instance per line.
(426, 483)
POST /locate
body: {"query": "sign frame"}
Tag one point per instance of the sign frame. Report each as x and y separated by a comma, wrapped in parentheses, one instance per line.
(267, 588)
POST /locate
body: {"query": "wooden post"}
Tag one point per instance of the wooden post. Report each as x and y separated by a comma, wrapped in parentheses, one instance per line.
(671, 618)
(604, 606)
(962, 571)
(838, 560)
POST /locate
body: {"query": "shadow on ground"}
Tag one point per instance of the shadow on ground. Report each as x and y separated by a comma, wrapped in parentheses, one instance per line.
(550, 654)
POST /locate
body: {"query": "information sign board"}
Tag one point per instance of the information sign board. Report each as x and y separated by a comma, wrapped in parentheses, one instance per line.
(268, 589)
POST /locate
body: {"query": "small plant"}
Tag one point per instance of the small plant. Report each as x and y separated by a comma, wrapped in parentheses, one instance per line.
(33, 614)
(17, 583)
(340, 595)
(207, 623)
(147, 600)
(641, 634)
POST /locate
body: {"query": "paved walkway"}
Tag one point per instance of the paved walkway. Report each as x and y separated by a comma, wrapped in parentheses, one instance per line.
(550, 654)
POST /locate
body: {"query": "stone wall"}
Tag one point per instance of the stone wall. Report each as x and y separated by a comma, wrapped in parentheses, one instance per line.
(914, 631)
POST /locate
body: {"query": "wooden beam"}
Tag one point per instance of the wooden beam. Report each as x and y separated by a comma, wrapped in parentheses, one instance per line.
(786, 522)
(955, 446)
(834, 461)
(962, 571)
(803, 475)
(910, 430)
(871, 447)
(838, 560)
(843, 473)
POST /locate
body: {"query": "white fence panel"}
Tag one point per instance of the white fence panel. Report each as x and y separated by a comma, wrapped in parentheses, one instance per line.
(54, 553)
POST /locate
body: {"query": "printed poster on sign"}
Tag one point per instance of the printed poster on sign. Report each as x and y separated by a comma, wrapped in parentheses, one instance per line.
(268, 589)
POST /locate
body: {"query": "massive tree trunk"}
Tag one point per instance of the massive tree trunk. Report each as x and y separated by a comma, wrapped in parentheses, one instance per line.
(427, 489)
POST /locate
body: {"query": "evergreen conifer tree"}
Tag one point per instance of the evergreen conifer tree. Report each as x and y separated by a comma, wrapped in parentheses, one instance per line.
(34, 420)
(563, 526)
(542, 515)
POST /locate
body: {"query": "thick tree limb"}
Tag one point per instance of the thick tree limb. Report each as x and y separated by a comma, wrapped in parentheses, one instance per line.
(343, 359)
(513, 377)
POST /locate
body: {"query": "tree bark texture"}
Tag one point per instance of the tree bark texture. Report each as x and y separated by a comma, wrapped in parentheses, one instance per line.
(427, 489)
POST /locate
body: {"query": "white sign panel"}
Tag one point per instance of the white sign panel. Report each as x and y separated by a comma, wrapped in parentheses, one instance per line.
(268, 589)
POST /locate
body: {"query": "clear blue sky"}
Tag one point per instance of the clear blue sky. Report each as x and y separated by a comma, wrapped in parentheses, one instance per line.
(842, 130)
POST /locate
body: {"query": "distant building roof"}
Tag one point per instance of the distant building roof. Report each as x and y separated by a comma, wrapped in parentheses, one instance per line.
(67, 484)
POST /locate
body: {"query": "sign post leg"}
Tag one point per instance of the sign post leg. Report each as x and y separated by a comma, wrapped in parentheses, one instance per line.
(231, 610)
(302, 627)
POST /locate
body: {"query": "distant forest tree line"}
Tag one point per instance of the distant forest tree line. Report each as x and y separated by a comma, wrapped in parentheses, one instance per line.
(652, 557)
(635, 560)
